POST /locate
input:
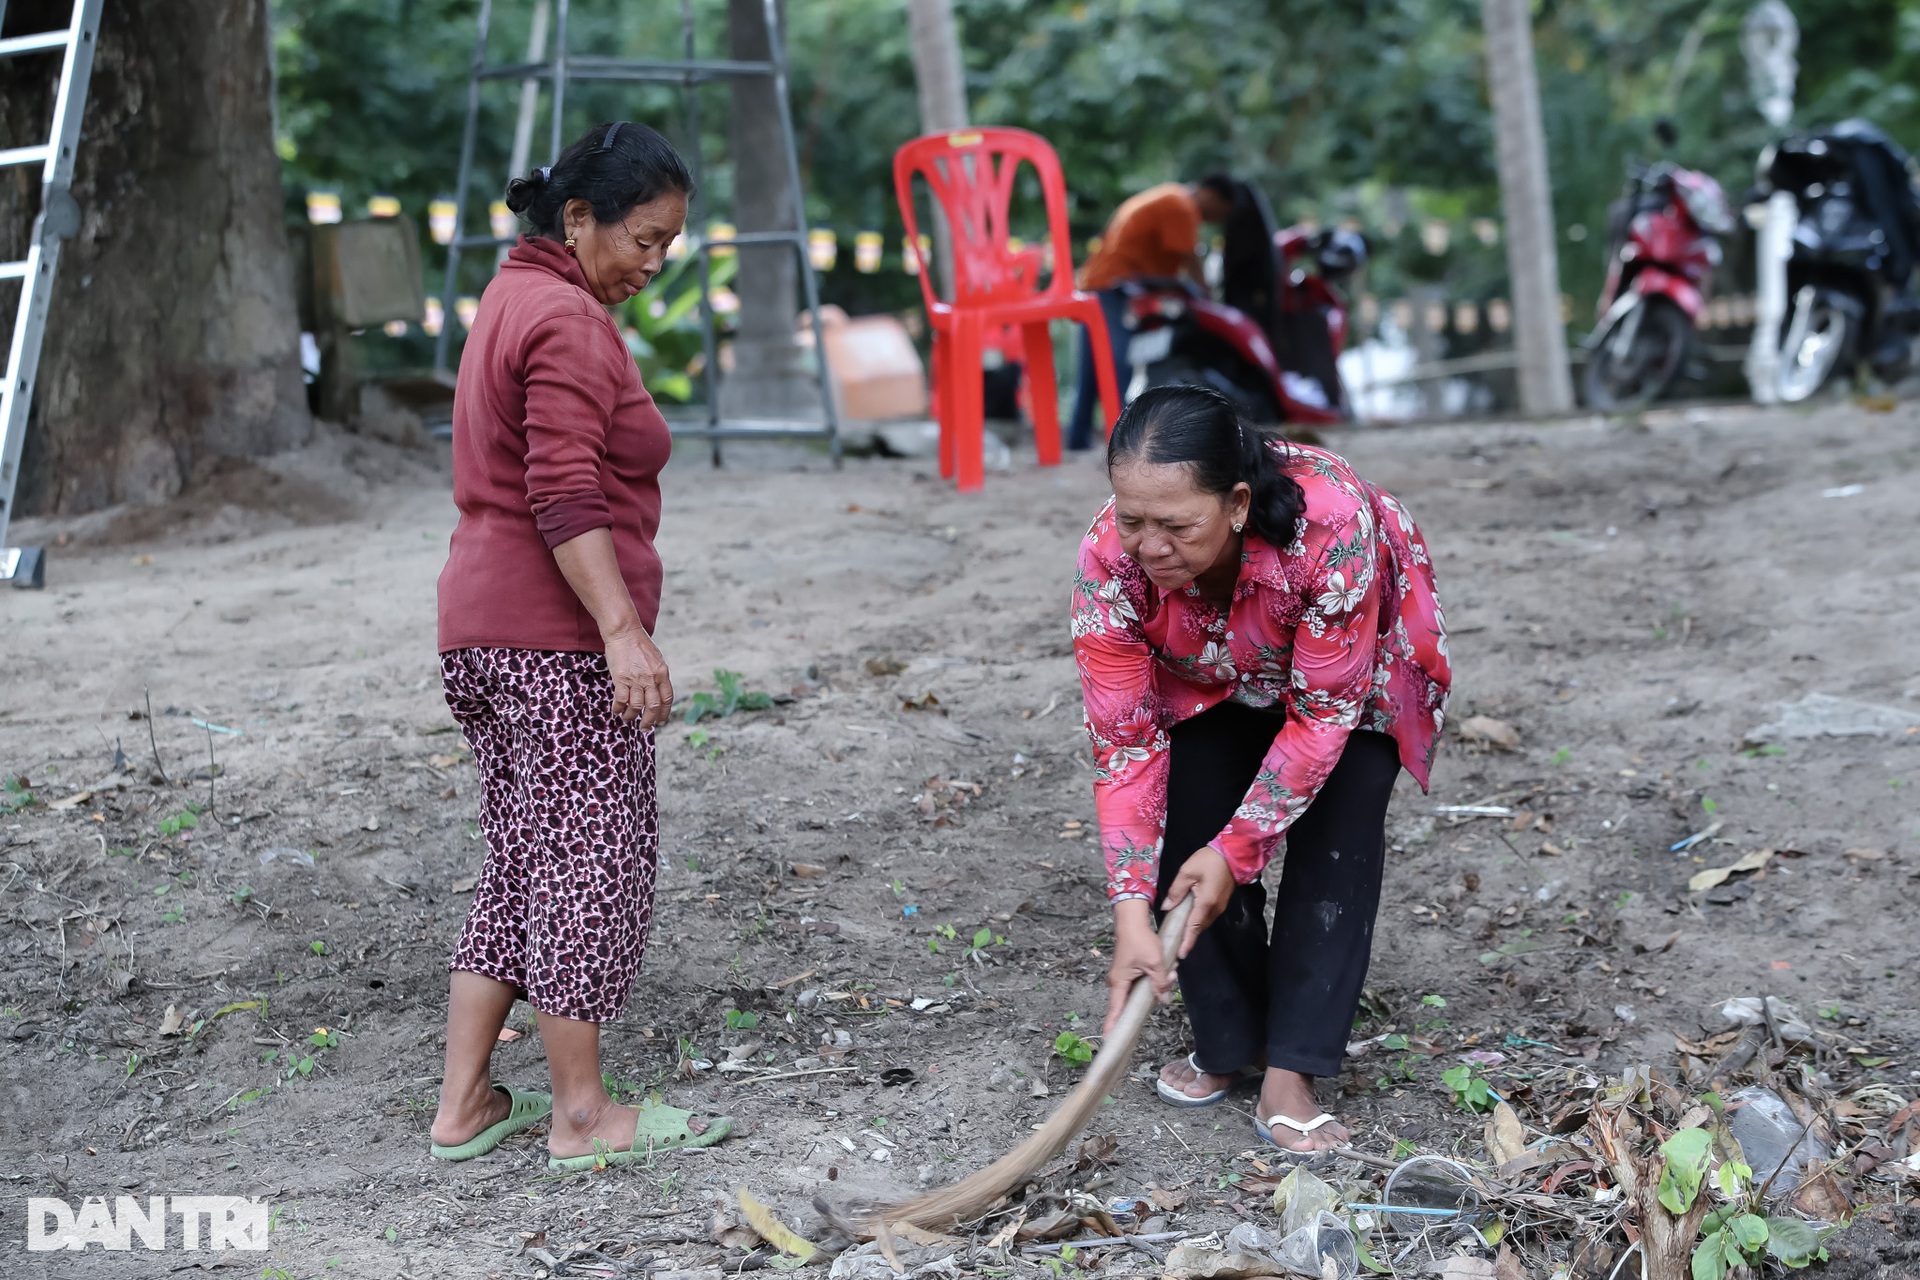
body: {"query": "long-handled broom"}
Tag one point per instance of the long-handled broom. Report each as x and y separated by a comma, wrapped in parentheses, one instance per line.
(973, 1196)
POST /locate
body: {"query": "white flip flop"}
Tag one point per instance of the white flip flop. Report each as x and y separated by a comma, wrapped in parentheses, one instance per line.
(1303, 1128)
(1176, 1098)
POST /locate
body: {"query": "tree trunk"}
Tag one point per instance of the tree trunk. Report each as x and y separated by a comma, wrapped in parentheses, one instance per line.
(172, 339)
(1539, 334)
(770, 377)
(937, 71)
(942, 84)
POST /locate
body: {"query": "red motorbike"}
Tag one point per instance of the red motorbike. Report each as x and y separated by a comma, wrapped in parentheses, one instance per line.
(1664, 247)
(1273, 341)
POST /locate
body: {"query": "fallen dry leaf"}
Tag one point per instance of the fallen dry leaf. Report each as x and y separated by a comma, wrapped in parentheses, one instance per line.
(1505, 1138)
(507, 1035)
(172, 1021)
(1821, 1196)
(924, 1238)
(808, 870)
(1164, 1200)
(1495, 733)
(727, 1230)
(1716, 875)
(1508, 1265)
(1188, 1263)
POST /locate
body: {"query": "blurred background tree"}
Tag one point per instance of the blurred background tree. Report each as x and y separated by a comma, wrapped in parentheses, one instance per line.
(1374, 110)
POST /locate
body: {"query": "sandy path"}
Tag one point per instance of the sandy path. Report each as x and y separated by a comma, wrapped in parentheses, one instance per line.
(1630, 598)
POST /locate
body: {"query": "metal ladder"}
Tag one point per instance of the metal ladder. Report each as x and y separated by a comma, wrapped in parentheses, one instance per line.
(58, 220)
(689, 71)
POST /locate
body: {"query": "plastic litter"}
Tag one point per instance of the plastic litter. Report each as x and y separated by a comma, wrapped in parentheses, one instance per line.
(284, 853)
(1308, 1250)
(1772, 1138)
(1745, 1012)
(1429, 1189)
(1821, 715)
(1301, 1197)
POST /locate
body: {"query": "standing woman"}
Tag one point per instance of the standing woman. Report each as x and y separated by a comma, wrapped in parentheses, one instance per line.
(547, 605)
(1260, 652)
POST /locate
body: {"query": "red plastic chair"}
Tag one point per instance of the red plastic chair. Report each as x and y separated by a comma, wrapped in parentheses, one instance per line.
(971, 174)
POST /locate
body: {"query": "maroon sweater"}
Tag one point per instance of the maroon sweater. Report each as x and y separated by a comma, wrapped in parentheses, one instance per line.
(553, 436)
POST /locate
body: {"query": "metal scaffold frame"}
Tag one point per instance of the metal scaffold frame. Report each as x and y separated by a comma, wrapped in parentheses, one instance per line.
(690, 71)
(58, 220)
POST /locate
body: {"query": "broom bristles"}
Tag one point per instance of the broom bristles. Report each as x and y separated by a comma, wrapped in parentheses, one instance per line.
(975, 1195)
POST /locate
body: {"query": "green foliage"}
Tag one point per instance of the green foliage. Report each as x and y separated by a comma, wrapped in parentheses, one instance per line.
(1793, 1243)
(1685, 1157)
(742, 1020)
(1074, 1047)
(1739, 1233)
(1469, 1087)
(1735, 1236)
(185, 820)
(732, 696)
(17, 795)
(662, 326)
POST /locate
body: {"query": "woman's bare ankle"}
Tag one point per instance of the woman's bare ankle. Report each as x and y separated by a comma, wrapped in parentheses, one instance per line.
(465, 1112)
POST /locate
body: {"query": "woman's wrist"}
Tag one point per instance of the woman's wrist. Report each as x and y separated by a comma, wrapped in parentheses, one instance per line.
(1132, 915)
(627, 628)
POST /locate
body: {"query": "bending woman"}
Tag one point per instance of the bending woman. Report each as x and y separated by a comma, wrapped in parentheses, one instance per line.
(1260, 652)
(547, 607)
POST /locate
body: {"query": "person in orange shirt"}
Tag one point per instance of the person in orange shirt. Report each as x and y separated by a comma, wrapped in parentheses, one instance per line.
(1155, 233)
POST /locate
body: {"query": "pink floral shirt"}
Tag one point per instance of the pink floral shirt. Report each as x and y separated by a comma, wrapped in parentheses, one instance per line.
(1340, 630)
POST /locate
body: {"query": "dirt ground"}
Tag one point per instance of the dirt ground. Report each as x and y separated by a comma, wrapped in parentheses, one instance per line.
(1631, 597)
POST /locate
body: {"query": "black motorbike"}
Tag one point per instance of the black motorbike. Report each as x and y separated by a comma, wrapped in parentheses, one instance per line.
(1849, 277)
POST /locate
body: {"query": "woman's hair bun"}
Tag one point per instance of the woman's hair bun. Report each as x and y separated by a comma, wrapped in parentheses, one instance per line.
(521, 192)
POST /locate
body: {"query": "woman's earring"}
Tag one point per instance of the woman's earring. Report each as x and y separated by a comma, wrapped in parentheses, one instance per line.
(570, 243)
(1237, 526)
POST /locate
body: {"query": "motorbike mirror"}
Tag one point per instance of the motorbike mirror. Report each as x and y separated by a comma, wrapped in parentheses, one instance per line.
(1664, 132)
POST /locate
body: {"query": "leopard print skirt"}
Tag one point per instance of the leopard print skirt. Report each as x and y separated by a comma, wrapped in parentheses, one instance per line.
(562, 906)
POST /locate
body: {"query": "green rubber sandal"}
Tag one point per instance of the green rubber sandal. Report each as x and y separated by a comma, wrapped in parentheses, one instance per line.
(526, 1109)
(658, 1127)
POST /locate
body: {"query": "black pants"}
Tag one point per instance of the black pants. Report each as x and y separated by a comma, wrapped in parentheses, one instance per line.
(1290, 1001)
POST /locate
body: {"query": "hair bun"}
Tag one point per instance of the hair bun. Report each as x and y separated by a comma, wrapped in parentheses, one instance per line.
(522, 192)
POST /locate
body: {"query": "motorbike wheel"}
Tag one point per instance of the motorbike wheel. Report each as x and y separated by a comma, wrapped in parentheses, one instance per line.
(1814, 345)
(1257, 407)
(1622, 382)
